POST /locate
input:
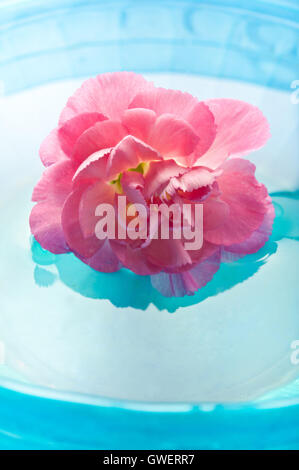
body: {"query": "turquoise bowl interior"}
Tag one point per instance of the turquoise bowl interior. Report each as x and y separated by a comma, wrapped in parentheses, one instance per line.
(231, 45)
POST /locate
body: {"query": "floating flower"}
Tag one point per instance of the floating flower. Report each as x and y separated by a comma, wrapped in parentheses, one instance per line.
(121, 137)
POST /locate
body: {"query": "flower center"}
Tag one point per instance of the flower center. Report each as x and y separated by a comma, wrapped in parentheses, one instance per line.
(116, 182)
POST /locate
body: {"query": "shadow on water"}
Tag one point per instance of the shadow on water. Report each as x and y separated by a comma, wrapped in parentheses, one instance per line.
(125, 289)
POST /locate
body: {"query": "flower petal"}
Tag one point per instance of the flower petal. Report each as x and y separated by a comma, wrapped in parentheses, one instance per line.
(239, 165)
(246, 199)
(108, 93)
(191, 180)
(45, 225)
(241, 128)
(215, 212)
(198, 256)
(104, 260)
(133, 258)
(55, 183)
(158, 176)
(45, 218)
(132, 184)
(50, 150)
(103, 135)
(139, 122)
(71, 130)
(92, 169)
(84, 247)
(203, 122)
(99, 193)
(128, 154)
(183, 106)
(173, 138)
(256, 240)
(167, 253)
(187, 282)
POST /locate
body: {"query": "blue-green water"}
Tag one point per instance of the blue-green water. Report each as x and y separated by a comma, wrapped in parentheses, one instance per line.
(124, 289)
(67, 327)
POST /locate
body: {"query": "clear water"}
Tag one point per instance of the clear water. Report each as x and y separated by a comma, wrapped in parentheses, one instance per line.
(68, 327)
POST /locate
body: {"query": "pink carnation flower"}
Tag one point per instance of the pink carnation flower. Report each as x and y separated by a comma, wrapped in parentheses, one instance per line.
(180, 148)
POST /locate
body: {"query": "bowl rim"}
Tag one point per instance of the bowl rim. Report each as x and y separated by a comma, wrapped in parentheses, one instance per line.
(38, 391)
(286, 10)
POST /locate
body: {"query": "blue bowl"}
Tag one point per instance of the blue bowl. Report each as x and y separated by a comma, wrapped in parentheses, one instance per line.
(254, 42)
